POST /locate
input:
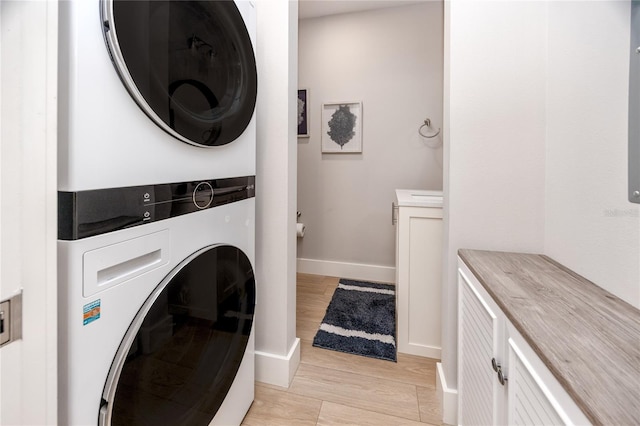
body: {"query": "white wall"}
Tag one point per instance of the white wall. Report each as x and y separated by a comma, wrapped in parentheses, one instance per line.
(277, 349)
(391, 60)
(28, 219)
(590, 226)
(494, 149)
(535, 156)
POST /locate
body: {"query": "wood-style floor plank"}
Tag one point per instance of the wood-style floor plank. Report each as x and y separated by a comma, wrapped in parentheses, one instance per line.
(309, 278)
(307, 329)
(331, 284)
(356, 390)
(311, 287)
(332, 414)
(409, 369)
(430, 411)
(334, 388)
(276, 407)
(312, 309)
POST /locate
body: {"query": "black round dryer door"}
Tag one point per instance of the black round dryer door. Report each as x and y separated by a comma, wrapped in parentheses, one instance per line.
(189, 65)
(181, 353)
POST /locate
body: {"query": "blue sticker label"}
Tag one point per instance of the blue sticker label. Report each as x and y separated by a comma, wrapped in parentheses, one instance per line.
(91, 312)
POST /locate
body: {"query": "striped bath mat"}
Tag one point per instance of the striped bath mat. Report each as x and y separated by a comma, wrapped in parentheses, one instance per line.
(361, 320)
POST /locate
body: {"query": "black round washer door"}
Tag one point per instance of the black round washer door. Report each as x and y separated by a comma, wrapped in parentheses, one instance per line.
(181, 353)
(189, 65)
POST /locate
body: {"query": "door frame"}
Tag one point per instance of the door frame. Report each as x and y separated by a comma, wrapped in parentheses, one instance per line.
(28, 207)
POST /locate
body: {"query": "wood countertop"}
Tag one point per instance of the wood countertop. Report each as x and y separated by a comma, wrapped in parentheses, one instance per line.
(587, 337)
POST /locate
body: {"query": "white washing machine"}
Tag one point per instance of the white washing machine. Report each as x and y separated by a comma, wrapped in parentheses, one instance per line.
(155, 92)
(156, 211)
(155, 320)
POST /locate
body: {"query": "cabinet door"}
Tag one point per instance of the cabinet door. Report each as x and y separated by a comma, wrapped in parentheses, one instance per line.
(419, 281)
(529, 402)
(479, 395)
(535, 396)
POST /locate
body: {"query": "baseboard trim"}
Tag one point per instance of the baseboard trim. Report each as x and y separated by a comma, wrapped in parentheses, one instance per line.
(448, 398)
(420, 350)
(353, 271)
(278, 370)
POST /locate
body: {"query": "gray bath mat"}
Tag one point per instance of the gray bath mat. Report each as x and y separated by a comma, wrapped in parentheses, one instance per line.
(360, 320)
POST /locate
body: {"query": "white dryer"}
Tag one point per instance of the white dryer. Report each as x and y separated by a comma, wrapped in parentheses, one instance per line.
(156, 320)
(155, 92)
(156, 211)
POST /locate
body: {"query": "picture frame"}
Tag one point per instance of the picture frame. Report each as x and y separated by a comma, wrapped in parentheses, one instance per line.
(303, 113)
(342, 127)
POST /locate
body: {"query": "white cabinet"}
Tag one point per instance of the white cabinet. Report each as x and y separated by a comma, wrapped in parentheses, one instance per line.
(531, 401)
(500, 379)
(419, 272)
(480, 335)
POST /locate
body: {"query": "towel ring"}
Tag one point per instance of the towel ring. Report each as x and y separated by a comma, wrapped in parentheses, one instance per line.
(427, 123)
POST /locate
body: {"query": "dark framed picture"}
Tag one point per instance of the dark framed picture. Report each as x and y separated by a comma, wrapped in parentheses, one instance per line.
(342, 127)
(303, 123)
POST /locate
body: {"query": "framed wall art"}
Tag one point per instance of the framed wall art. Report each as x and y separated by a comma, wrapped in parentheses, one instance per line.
(303, 109)
(342, 127)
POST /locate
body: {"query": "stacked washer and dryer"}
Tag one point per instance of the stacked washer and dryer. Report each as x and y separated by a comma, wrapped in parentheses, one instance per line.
(156, 212)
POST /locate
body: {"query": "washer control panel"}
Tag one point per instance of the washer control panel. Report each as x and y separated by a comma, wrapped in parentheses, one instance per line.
(87, 213)
(203, 195)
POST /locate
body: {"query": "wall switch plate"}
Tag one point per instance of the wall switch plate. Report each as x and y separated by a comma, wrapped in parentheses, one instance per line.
(11, 320)
(5, 309)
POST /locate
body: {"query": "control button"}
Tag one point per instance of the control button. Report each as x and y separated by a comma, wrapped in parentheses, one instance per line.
(203, 195)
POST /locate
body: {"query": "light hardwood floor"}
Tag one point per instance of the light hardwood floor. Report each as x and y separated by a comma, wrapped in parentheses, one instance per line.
(334, 388)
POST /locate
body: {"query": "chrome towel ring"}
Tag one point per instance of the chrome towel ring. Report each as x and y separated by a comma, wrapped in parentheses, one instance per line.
(427, 124)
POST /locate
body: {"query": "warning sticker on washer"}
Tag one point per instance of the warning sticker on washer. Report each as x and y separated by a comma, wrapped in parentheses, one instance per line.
(91, 312)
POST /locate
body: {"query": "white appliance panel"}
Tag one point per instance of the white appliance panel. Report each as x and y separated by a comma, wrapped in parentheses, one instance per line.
(105, 139)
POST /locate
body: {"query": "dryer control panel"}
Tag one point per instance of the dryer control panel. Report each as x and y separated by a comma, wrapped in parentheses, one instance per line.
(87, 213)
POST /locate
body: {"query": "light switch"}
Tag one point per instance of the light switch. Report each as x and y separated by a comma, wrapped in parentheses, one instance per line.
(5, 326)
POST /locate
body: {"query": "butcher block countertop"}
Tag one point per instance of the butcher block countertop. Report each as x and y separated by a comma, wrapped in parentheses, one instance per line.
(587, 337)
